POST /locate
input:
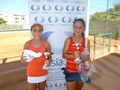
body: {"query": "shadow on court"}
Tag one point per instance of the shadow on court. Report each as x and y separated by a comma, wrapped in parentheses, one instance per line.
(106, 78)
(108, 73)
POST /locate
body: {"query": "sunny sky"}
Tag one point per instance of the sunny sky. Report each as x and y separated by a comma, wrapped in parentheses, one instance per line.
(21, 6)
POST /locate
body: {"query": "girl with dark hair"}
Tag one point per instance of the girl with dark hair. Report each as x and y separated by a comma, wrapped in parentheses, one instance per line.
(72, 50)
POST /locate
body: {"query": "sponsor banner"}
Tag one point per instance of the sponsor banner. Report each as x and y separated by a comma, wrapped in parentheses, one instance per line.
(57, 17)
(56, 80)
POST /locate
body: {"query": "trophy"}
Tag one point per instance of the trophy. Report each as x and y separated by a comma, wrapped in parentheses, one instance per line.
(77, 45)
(45, 67)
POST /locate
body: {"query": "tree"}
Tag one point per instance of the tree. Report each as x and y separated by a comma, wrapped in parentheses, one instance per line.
(101, 15)
(98, 16)
(117, 7)
(2, 21)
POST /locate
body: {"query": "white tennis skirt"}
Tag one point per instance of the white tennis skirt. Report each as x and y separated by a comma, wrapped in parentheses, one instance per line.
(36, 79)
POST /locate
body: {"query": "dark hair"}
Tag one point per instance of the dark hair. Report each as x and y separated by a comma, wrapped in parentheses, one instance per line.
(80, 20)
(35, 24)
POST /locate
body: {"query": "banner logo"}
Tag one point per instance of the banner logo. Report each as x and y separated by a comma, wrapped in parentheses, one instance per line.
(69, 8)
(58, 8)
(48, 85)
(39, 19)
(66, 19)
(52, 19)
(80, 8)
(58, 84)
(46, 7)
(35, 7)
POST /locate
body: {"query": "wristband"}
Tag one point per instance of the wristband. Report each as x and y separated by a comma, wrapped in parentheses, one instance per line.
(83, 60)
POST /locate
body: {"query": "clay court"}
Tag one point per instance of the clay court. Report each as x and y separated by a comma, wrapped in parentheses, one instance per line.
(11, 46)
(12, 43)
(106, 78)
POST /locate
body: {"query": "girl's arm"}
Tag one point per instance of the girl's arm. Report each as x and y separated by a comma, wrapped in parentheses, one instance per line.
(23, 59)
(65, 49)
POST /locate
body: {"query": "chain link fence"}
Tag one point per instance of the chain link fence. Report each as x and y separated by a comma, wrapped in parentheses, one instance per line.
(11, 44)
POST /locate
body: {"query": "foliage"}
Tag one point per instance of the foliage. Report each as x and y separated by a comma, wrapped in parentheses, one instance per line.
(114, 14)
(2, 21)
(117, 7)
